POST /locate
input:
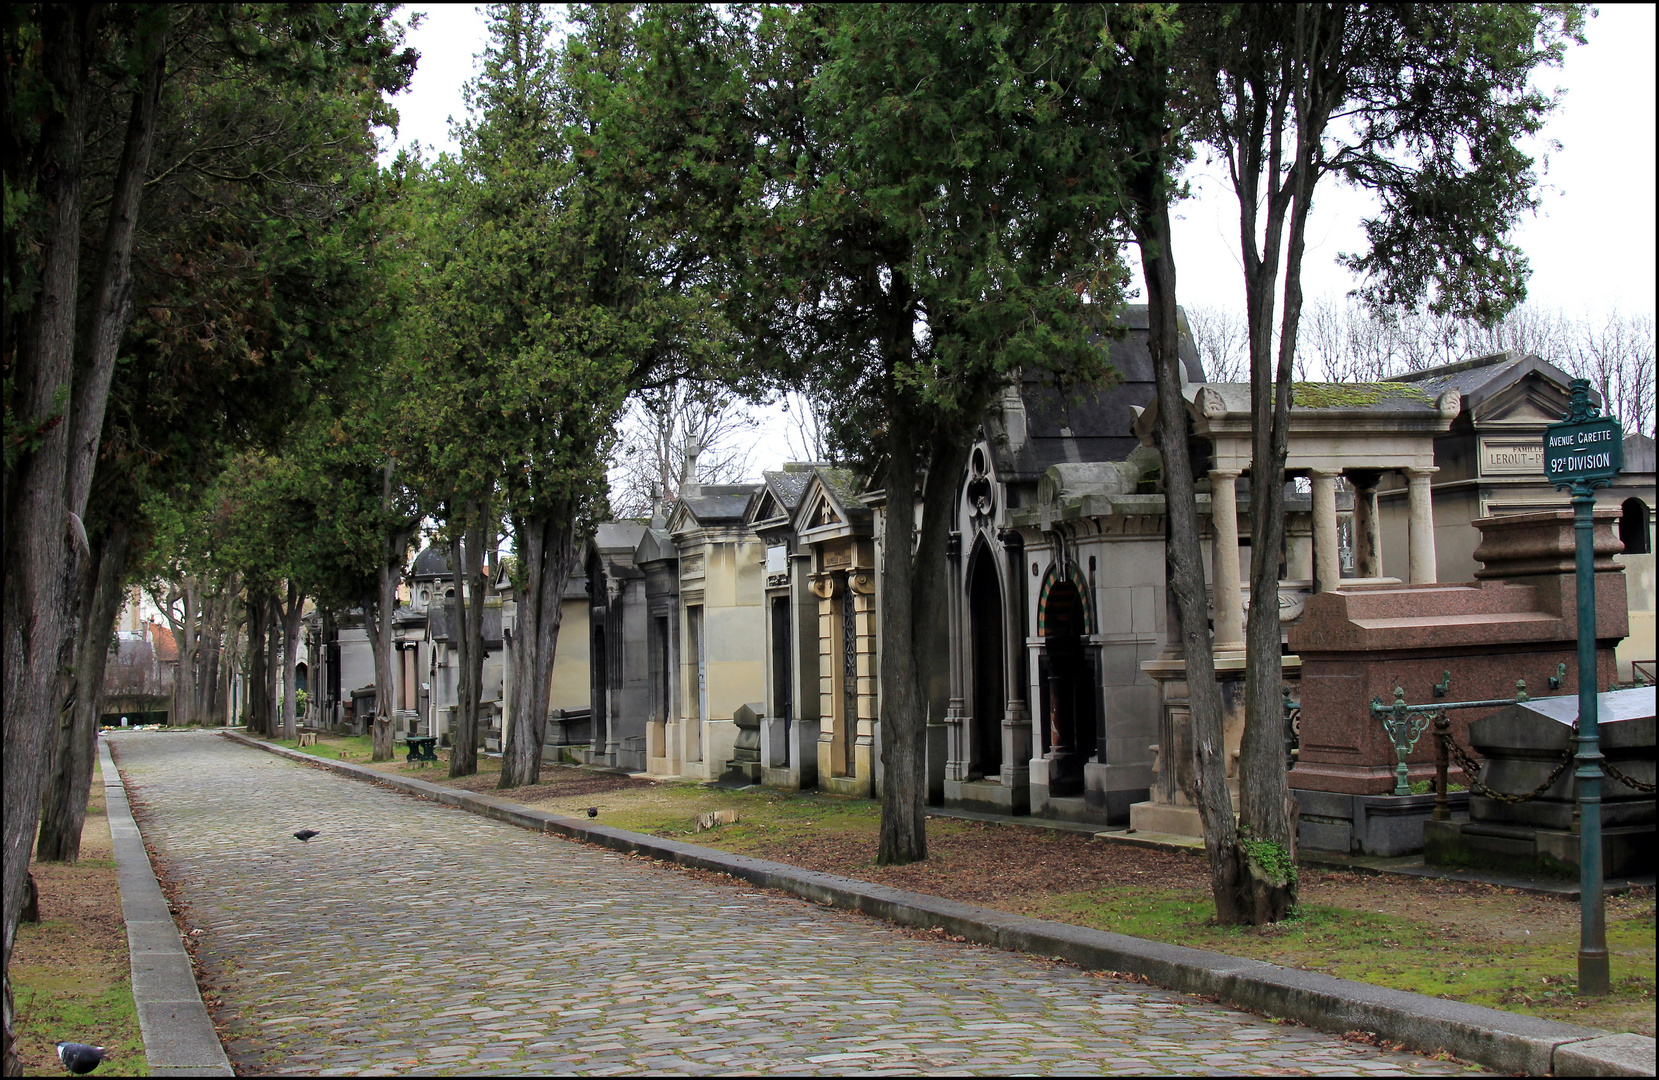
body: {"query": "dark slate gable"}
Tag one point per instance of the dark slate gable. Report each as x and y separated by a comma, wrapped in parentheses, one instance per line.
(1088, 424)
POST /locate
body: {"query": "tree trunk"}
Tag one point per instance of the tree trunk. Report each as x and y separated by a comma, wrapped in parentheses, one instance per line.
(273, 666)
(547, 546)
(472, 586)
(63, 805)
(290, 656)
(903, 700)
(188, 637)
(112, 294)
(231, 653)
(377, 621)
(40, 552)
(1149, 189)
(903, 695)
(257, 707)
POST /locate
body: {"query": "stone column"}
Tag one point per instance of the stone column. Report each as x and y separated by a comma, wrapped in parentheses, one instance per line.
(1229, 597)
(956, 748)
(1367, 526)
(1421, 504)
(1327, 561)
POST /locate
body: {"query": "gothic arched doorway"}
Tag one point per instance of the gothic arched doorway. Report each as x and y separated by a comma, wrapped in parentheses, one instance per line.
(1069, 718)
(990, 696)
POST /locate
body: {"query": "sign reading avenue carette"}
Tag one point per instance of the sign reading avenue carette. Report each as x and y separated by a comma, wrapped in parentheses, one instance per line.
(1588, 450)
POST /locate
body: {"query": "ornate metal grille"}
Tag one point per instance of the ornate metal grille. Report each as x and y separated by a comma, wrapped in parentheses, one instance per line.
(849, 673)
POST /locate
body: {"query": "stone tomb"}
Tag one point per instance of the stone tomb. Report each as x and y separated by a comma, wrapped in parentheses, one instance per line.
(1361, 432)
(1522, 745)
(1358, 644)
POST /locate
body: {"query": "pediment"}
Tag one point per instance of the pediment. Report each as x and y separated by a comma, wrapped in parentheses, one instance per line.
(819, 509)
(1532, 402)
(766, 508)
(681, 518)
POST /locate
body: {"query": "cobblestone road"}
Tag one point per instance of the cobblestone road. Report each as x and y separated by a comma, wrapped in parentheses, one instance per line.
(413, 938)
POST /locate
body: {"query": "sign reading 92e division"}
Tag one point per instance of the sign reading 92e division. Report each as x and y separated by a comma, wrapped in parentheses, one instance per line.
(1590, 450)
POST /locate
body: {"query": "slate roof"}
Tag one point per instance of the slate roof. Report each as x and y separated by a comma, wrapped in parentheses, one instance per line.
(430, 564)
(844, 483)
(618, 535)
(1478, 379)
(788, 485)
(1091, 424)
(720, 503)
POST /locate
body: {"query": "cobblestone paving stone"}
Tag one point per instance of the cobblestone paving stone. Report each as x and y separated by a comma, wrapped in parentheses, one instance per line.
(411, 938)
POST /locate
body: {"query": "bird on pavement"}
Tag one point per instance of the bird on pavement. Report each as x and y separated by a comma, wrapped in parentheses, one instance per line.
(593, 811)
(79, 1058)
(304, 835)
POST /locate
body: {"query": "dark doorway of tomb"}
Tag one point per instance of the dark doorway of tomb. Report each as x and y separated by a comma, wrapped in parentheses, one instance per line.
(601, 693)
(665, 671)
(782, 670)
(1070, 719)
(990, 696)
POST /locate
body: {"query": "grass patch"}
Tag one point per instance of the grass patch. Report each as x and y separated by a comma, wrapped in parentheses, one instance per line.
(1528, 966)
(71, 977)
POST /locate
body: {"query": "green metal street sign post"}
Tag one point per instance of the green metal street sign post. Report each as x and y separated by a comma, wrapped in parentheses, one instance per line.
(1582, 453)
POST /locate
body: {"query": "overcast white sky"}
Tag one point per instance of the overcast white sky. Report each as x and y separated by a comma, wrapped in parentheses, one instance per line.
(1591, 245)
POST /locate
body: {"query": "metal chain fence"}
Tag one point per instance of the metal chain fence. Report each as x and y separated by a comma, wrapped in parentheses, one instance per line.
(1608, 768)
(1471, 770)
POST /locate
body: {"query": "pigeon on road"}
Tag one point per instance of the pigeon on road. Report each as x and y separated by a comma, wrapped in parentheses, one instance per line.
(79, 1058)
(305, 835)
(593, 811)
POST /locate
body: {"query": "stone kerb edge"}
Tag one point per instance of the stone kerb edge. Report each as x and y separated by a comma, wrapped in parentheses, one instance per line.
(179, 1037)
(1510, 1042)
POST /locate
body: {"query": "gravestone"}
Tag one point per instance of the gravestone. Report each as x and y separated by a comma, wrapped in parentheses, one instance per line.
(1522, 746)
(743, 769)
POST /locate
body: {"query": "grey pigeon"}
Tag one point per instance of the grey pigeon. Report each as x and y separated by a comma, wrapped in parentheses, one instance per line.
(593, 811)
(305, 835)
(79, 1058)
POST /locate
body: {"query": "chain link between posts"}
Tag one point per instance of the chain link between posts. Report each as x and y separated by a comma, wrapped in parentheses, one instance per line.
(1629, 781)
(1471, 771)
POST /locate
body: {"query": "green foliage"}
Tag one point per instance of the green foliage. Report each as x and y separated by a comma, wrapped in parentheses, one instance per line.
(1426, 787)
(1438, 97)
(917, 174)
(1273, 859)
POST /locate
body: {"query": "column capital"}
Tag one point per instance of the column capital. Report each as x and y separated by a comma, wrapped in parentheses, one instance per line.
(1324, 474)
(1420, 472)
(1226, 474)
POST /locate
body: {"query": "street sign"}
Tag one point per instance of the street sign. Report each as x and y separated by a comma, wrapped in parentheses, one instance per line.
(1589, 450)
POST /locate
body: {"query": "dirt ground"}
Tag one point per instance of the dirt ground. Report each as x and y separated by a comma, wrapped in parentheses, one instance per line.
(71, 977)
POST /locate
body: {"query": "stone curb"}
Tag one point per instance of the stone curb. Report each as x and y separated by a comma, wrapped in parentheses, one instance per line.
(1505, 1041)
(179, 1038)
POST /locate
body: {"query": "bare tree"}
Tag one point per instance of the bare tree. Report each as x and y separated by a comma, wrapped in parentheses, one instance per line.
(1222, 336)
(1344, 341)
(807, 427)
(650, 455)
